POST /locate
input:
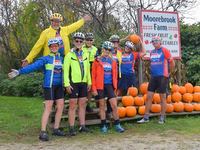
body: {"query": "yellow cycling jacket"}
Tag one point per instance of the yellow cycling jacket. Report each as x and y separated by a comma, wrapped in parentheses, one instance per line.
(51, 33)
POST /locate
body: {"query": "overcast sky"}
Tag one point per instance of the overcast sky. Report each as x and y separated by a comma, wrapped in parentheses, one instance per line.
(193, 15)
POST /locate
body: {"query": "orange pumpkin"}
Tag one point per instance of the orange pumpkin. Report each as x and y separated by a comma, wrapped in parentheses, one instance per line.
(182, 90)
(156, 98)
(145, 98)
(170, 108)
(176, 97)
(188, 107)
(196, 107)
(141, 110)
(196, 89)
(121, 112)
(175, 88)
(127, 101)
(131, 111)
(187, 97)
(178, 107)
(133, 91)
(169, 99)
(144, 88)
(155, 108)
(138, 101)
(134, 38)
(189, 88)
(196, 97)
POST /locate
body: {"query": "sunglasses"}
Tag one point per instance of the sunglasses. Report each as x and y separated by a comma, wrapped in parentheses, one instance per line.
(89, 40)
(155, 41)
(78, 41)
(115, 41)
(108, 49)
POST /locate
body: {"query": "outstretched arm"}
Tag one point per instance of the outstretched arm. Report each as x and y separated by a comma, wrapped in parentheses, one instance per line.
(36, 48)
(75, 26)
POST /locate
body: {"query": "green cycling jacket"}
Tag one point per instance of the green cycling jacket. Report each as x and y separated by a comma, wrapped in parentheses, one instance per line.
(72, 69)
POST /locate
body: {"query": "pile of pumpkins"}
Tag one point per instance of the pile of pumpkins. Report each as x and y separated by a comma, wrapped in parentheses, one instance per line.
(182, 98)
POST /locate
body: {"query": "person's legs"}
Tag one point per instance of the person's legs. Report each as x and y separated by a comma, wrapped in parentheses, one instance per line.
(43, 136)
(82, 105)
(72, 111)
(102, 109)
(46, 113)
(162, 91)
(113, 103)
(72, 115)
(163, 104)
(151, 88)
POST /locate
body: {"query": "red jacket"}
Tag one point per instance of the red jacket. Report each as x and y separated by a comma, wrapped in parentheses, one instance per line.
(98, 75)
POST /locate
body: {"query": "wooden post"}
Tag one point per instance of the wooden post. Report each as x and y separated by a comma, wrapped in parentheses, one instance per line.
(140, 69)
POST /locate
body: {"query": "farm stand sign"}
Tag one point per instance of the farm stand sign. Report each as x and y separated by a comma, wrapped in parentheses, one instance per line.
(163, 24)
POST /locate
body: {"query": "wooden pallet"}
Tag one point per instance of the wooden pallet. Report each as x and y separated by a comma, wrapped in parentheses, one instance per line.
(92, 118)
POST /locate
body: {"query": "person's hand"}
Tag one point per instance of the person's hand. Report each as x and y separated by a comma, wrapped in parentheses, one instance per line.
(13, 73)
(87, 18)
(89, 88)
(24, 62)
(69, 89)
(94, 93)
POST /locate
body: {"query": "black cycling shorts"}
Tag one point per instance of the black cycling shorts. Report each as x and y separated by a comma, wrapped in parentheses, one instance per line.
(108, 91)
(79, 90)
(158, 84)
(54, 93)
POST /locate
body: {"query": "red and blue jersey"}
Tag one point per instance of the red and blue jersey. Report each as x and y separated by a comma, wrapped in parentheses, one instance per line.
(159, 62)
(128, 61)
(107, 66)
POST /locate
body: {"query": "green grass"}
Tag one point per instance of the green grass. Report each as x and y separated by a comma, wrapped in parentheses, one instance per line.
(19, 117)
(20, 122)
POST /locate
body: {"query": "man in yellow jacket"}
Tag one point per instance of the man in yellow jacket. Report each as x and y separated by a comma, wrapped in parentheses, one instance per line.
(55, 30)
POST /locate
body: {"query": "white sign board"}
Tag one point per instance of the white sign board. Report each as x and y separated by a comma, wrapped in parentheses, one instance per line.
(163, 24)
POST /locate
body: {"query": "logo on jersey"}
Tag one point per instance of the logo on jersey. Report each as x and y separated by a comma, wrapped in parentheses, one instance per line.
(155, 57)
(107, 67)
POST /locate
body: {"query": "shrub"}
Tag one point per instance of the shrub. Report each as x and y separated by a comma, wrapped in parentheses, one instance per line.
(24, 85)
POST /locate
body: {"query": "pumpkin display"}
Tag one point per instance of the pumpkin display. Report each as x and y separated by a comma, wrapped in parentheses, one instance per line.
(176, 97)
(127, 101)
(133, 91)
(196, 89)
(188, 107)
(169, 99)
(187, 97)
(141, 110)
(182, 90)
(155, 108)
(178, 107)
(175, 88)
(169, 108)
(156, 98)
(189, 88)
(138, 101)
(134, 38)
(196, 97)
(196, 107)
(131, 111)
(144, 88)
(121, 112)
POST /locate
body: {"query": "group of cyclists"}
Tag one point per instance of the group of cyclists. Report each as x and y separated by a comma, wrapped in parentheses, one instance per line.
(85, 71)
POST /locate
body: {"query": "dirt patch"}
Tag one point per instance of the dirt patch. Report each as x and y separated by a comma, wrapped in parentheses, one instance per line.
(121, 142)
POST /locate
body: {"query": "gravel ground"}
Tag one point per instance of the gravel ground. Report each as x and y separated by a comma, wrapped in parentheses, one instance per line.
(123, 142)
